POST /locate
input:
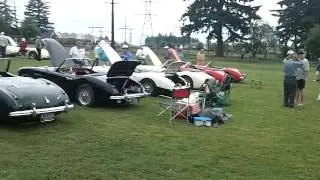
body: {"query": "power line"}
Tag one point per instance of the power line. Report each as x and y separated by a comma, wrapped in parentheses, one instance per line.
(126, 28)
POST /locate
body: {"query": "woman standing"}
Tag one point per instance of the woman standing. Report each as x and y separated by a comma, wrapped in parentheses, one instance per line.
(200, 58)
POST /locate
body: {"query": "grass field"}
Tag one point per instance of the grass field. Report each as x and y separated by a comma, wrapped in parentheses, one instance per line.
(262, 141)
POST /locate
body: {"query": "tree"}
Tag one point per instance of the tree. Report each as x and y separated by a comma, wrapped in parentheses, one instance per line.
(29, 28)
(7, 17)
(296, 18)
(39, 11)
(261, 38)
(313, 42)
(215, 16)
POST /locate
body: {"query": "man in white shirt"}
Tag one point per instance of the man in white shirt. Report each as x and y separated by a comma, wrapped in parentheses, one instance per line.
(77, 51)
(301, 80)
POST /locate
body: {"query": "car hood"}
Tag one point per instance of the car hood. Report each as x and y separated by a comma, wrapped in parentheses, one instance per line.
(56, 51)
(28, 92)
(122, 68)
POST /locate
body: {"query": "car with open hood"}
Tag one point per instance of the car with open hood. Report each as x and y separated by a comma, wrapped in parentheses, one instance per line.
(217, 72)
(25, 99)
(155, 83)
(82, 84)
(195, 78)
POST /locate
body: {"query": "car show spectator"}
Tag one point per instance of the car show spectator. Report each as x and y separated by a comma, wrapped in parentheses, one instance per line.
(23, 46)
(141, 55)
(167, 53)
(290, 68)
(181, 55)
(302, 77)
(77, 51)
(126, 55)
(200, 58)
(39, 46)
(3, 44)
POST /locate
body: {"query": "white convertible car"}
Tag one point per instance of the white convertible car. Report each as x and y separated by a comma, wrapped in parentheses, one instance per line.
(13, 50)
(155, 82)
(195, 78)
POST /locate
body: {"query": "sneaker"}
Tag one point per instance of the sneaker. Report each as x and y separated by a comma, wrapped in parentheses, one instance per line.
(300, 104)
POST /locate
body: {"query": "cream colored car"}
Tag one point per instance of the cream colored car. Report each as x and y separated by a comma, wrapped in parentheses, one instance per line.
(13, 50)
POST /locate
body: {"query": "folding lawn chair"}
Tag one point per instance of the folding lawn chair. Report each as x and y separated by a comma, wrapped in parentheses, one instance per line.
(177, 104)
(219, 95)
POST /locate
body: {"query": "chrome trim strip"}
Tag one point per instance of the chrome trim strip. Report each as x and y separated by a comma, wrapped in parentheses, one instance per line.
(128, 96)
(35, 111)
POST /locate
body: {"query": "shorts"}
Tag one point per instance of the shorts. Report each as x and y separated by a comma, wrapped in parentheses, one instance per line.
(301, 84)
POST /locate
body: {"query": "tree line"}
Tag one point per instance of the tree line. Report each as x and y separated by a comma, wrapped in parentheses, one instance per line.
(36, 19)
(237, 22)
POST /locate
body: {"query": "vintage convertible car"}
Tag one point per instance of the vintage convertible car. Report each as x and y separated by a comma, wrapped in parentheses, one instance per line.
(13, 50)
(194, 77)
(25, 98)
(216, 72)
(85, 86)
(155, 83)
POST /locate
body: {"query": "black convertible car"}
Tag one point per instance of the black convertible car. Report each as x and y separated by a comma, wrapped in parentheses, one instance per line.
(83, 85)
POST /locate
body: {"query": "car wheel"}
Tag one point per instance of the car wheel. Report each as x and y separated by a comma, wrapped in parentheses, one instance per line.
(32, 55)
(85, 95)
(189, 81)
(150, 87)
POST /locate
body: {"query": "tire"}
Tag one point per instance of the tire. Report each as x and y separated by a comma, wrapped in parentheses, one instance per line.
(189, 80)
(150, 87)
(85, 95)
(33, 55)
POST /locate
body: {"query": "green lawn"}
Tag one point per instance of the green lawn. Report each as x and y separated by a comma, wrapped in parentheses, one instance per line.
(262, 141)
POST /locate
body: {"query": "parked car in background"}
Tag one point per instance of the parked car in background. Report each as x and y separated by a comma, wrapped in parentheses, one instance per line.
(27, 99)
(13, 50)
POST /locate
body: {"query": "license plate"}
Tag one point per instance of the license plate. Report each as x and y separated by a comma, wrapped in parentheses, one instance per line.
(133, 101)
(47, 117)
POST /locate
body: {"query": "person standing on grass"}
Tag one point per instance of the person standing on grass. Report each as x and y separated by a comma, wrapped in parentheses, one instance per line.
(3, 44)
(290, 68)
(301, 77)
(181, 55)
(38, 47)
(200, 58)
(23, 46)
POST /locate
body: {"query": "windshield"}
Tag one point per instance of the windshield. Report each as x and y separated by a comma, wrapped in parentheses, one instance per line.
(74, 63)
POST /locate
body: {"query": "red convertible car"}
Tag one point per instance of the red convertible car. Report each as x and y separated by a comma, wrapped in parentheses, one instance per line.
(216, 72)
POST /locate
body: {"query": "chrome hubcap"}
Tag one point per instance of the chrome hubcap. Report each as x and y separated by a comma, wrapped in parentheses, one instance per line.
(84, 97)
(148, 87)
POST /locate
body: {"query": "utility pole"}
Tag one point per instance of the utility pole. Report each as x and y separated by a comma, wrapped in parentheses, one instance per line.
(92, 28)
(112, 23)
(125, 28)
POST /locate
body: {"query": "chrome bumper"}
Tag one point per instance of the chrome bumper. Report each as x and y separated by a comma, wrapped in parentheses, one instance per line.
(35, 111)
(128, 96)
(242, 78)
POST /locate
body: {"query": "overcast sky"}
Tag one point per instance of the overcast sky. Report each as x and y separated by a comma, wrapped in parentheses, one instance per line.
(77, 15)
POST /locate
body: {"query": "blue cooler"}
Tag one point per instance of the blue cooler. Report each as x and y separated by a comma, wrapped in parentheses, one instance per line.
(202, 121)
